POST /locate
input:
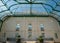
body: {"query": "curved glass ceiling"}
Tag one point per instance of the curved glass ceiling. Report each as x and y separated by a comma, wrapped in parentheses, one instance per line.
(30, 7)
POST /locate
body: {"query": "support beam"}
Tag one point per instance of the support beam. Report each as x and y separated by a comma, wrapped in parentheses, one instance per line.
(1, 23)
(59, 23)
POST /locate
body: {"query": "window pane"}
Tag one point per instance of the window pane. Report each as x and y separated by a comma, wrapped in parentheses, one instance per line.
(3, 8)
(21, 1)
(29, 27)
(21, 9)
(42, 27)
(17, 27)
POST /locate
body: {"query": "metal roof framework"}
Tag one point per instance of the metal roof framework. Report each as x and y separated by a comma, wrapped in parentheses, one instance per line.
(29, 8)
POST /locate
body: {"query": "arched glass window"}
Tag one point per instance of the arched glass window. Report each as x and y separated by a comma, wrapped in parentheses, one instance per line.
(17, 27)
(42, 27)
(28, 7)
(29, 27)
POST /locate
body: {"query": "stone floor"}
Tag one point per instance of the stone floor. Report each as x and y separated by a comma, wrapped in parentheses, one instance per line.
(10, 42)
(22, 42)
(28, 42)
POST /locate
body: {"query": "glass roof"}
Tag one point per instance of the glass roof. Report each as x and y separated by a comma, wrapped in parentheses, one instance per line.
(30, 7)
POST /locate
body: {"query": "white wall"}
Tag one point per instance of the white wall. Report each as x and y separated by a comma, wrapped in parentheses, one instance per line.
(51, 26)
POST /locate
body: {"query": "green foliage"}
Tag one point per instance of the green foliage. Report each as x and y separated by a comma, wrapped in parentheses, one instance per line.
(40, 39)
(29, 36)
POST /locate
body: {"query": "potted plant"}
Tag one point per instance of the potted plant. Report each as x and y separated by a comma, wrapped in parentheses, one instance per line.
(18, 39)
(40, 39)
